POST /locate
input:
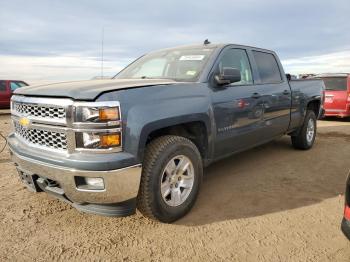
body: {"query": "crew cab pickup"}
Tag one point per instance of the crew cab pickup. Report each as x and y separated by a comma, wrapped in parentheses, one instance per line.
(142, 138)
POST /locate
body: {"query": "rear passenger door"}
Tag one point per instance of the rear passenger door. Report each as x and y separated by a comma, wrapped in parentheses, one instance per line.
(276, 94)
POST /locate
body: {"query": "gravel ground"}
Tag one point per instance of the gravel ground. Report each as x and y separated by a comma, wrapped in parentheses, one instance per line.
(271, 203)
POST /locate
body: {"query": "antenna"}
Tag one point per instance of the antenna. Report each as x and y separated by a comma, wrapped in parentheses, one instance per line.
(102, 43)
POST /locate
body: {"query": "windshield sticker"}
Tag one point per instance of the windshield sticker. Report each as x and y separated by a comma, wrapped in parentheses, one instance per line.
(192, 57)
(191, 73)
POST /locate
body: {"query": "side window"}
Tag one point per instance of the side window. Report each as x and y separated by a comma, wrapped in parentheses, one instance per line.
(237, 58)
(268, 68)
(2, 86)
(15, 84)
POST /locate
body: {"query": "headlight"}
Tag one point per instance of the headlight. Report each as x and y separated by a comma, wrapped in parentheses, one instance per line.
(96, 140)
(97, 126)
(96, 114)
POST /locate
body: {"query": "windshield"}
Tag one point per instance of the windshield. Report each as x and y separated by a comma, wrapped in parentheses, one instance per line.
(176, 64)
(335, 83)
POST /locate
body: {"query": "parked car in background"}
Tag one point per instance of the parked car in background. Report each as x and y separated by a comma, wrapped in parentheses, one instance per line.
(337, 95)
(7, 87)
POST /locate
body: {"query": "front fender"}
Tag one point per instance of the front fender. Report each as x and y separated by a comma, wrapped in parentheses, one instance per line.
(144, 119)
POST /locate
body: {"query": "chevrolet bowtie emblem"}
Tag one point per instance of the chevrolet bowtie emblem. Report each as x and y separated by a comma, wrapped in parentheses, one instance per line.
(23, 121)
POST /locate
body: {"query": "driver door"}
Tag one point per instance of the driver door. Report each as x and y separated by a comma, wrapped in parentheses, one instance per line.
(238, 107)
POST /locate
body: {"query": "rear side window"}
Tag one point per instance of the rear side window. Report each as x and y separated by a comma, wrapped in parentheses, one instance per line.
(335, 83)
(2, 86)
(16, 84)
(268, 68)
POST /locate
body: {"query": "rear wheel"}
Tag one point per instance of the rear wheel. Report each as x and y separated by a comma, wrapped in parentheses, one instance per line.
(307, 134)
(171, 178)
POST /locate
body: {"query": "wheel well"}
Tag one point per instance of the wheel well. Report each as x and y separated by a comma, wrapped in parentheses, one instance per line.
(194, 131)
(314, 106)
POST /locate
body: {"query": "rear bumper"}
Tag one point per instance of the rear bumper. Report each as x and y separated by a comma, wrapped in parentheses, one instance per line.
(121, 185)
(337, 112)
(345, 227)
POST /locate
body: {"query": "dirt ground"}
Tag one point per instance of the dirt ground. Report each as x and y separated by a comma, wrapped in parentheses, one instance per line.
(271, 203)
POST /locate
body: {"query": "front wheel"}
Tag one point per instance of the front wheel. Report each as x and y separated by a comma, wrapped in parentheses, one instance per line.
(307, 134)
(171, 178)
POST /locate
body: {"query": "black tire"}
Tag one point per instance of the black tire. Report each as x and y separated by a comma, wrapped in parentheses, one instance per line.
(158, 154)
(300, 140)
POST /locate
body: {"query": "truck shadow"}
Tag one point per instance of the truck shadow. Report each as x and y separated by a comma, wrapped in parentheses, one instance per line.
(271, 178)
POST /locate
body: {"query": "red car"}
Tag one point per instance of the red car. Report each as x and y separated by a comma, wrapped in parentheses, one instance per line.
(6, 89)
(337, 95)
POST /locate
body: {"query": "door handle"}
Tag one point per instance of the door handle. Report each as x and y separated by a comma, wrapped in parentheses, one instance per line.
(256, 95)
(286, 92)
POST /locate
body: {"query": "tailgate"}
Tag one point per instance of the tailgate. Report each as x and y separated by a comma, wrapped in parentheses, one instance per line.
(336, 94)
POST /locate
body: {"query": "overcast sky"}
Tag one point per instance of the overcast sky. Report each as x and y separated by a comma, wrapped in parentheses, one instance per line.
(61, 40)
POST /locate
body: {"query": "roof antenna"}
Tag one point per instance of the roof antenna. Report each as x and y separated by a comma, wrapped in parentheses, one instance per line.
(102, 53)
(206, 42)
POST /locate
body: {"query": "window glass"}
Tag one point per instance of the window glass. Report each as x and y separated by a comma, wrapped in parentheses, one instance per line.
(181, 64)
(268, 68)
(2, 86)
(335, 83)
(151, 68)
(238, 59)
(16, 84)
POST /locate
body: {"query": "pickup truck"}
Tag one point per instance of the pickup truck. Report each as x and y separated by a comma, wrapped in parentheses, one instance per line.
(141, 139)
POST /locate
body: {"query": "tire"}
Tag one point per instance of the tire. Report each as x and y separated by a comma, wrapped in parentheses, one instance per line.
(160, 154)
(304, 140)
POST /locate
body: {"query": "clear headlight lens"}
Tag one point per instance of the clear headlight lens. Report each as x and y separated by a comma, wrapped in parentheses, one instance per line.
(98, 125)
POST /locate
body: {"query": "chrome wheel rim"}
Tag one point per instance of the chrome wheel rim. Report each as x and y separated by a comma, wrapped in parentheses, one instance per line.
(310, 131)
(177, 180)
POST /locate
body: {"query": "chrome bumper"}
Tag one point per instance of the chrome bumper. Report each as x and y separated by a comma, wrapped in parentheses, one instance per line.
(120, 185)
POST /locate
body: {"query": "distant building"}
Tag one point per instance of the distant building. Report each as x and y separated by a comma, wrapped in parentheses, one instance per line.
(304, 76)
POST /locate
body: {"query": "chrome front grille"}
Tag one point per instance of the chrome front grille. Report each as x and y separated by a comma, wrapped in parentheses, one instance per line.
(53, 124)
(44, 138)
(41, 111)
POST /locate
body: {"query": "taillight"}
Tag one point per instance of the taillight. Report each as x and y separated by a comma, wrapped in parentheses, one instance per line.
(347, 212)
(348, 98)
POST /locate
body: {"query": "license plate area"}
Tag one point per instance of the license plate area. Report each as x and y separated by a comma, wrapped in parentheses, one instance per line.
(28, 180)
(329, 99)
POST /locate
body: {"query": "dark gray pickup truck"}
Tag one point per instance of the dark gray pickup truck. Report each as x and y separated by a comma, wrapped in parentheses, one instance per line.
(142, 138)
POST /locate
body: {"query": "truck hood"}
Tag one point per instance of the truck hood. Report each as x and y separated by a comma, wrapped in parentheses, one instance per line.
(89, 89)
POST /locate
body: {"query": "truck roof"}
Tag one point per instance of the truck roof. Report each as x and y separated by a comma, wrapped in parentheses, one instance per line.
(218, 45)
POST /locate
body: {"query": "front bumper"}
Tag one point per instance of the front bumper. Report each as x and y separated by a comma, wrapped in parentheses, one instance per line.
(121, 185)
(345, 227)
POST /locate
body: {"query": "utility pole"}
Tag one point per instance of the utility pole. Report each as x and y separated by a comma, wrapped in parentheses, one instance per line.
(102, 43)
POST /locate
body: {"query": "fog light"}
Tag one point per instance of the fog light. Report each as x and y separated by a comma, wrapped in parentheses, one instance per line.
(89, 183)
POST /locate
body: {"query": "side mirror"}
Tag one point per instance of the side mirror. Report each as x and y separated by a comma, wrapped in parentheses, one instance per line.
(229, 75)
(289, 77)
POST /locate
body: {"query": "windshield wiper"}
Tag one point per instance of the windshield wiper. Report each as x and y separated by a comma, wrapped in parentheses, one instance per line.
(147, 77)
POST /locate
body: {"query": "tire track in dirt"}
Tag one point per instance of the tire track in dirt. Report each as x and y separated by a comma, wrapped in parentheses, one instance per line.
(334, 135)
